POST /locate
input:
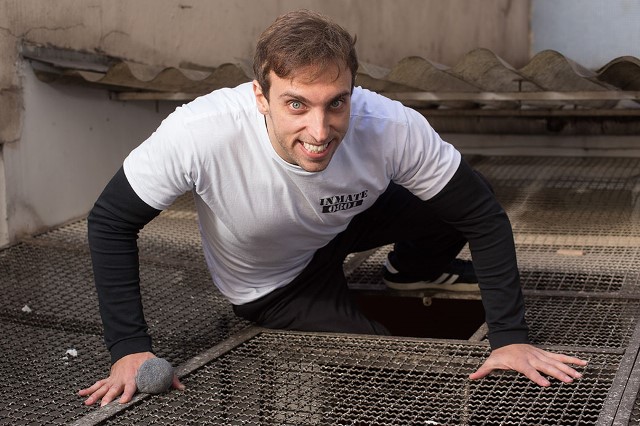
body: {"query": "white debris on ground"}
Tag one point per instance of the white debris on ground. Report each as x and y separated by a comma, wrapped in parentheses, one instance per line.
(72, 352)
(26, 309)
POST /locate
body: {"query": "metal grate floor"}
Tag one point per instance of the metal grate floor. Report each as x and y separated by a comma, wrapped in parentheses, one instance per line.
(577, 233)
(306, 379)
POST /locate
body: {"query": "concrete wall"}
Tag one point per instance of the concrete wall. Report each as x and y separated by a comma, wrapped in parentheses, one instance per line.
(72, 142)
(59, 145)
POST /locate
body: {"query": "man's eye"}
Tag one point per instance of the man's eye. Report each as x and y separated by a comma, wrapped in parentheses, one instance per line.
(337, 103)
(296, 105)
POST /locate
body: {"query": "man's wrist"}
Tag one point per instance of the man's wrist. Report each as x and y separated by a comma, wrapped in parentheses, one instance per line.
(129, 346)
(508, 337)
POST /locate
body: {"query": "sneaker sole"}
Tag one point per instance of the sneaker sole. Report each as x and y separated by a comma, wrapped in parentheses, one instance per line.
(424, 285)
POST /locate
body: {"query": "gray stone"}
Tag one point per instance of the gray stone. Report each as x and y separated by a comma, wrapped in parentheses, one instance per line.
(154, 376)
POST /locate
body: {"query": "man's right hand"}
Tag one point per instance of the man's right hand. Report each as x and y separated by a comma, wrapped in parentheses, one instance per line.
(121, 381)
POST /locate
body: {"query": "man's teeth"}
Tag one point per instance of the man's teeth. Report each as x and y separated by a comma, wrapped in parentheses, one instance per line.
(315, 148)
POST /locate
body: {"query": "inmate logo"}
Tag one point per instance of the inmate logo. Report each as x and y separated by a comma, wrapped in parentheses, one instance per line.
(342, 202)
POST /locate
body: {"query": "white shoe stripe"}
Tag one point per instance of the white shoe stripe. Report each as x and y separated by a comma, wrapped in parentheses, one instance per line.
(441, 279)
(390, 267)
(453, 279)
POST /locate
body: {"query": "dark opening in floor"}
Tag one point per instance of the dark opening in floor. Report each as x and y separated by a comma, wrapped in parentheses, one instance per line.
(408, 316)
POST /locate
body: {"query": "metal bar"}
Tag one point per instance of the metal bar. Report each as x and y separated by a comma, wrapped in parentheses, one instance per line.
(582, 294)
(154, 96)
(617, 95)
(618, 389)
(583, 240)
(480, 333)
(629, 397)
(526, 113)
(480, 97)
(218, 350)
(355, 260)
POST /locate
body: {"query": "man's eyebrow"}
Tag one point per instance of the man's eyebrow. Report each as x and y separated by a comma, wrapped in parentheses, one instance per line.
(294, 96)
(345, 94)
(304, 100)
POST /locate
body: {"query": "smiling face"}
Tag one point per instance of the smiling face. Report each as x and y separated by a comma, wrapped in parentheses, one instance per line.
(307, 115)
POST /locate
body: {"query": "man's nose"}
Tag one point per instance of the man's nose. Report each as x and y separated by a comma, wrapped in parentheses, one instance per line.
(319, 126)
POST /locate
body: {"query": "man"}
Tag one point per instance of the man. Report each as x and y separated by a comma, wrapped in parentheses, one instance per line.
(290, 174)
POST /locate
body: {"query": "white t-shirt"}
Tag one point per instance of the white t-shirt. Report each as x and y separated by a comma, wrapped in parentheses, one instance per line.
(261, 218)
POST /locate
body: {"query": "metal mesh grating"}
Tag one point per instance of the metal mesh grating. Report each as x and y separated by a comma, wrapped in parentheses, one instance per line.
(568, 195)
(74, 233)
(368, 274)
(185, 312)
(584, 322)
(635, 413)
(51, 306)
(172, 239)
(305, 379)
(172, 236)
(57, 287)
(560, 172)
(53, 286)
(39, 378)
(579, 268)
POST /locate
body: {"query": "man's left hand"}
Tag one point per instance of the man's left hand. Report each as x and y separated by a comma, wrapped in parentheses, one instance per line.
(530, 361)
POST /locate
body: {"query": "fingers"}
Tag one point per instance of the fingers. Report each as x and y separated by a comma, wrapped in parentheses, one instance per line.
(555, 365)
(483, 371)
(533, 375)
(129, 391)
(95, 392)
(566, 359)
(105, 391)
(176, 384)
(532, 362)
(92, 389)
(111, 394)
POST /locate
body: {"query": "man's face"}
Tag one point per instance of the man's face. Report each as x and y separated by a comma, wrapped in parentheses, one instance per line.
(307, 117)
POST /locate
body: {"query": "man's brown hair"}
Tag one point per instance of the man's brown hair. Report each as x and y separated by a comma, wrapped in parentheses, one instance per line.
(300, 39)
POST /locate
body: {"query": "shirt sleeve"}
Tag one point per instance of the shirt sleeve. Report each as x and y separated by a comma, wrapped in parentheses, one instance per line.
(424, 162)
(113, 225)
(468, 204)
(163, 167)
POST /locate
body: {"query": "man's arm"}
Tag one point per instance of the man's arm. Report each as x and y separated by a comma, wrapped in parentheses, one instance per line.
(113, 226)
(468, 204)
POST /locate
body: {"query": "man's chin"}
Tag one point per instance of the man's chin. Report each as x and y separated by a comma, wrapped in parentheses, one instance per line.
(314, 167)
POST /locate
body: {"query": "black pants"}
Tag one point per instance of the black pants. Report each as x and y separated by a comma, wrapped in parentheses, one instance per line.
(319, 300)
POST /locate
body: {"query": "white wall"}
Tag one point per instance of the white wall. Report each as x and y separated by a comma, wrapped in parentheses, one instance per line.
(591, 32)
(73, 141)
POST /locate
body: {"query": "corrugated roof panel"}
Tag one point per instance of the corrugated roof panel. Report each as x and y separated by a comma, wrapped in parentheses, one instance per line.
(550, 94)
(423, 74)
(374, 77)
(485, 69)
(622, 72)
(553, 71)
(128, 76)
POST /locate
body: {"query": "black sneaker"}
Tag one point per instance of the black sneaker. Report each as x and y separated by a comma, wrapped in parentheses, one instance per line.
(459, 276)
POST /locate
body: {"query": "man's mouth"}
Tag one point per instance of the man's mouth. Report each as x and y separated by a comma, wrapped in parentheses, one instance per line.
(315, 149)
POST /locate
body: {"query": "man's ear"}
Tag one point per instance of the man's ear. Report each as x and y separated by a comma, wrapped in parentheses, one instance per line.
(261, 99)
